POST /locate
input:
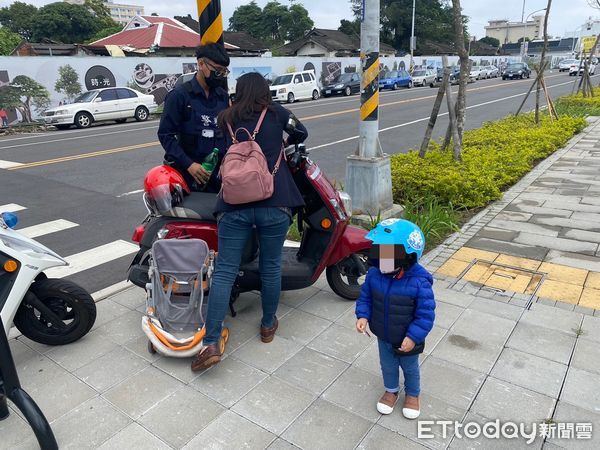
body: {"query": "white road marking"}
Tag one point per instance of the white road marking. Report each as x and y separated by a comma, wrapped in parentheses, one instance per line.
(137, 191)
(73, 138)
(412, 122)
(11, 207)
(47, 228)
(92, 258)
(9, 164)
(292, 244)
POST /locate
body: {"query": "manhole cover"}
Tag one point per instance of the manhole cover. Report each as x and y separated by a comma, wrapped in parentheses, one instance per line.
(502, 278)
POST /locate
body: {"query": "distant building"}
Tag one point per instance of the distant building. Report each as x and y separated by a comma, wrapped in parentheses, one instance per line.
(329, 43)
(559, 46)
(49, 48)
(510, 32)
(119, 12)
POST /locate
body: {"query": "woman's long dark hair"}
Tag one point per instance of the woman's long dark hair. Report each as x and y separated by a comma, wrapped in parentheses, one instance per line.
(252, 95)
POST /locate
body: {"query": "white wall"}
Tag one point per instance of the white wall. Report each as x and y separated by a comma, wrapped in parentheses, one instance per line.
(157, 75)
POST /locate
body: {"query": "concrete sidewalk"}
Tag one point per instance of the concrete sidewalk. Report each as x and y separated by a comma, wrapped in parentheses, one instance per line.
(516, 339)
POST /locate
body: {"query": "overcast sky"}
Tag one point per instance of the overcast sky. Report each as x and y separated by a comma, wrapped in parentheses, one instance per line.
(566, 15)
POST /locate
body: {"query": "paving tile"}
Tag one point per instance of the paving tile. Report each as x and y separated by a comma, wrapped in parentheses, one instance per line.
(240, 332)
(382, 438)
(469, 254)
(560, 291)
(566, 223)
(179, 417)
(311, 370)
(111, 368)
(531, 372)
(366, 388)
(527, 227)
(586, 356)
(369, 359)
(249, 308)
(432, 409)
(570, 245)
(267, 357)
(326, 305)
(231, 431)
(550, 317)
(341, 343)
(452, 296)
(301, 327)
(510, 248)
(449, 382)
(179, 368)
(592, 217)
(348, 319)
(564, 273)
(20, 352)
(107, 311)
(515, 261)
(593, 280)
(490, 232)
(495, 308)
(453, 267)
(508, 402)
(134, 437)
(142, 391)
(590, 298)
(542, 341)
(15, 430)
(124, 328)
(274, 404)
(139, 346)
(580, 235)
(295, 298)
(483, 326)
(515, 216)
(131, 298)
(434, 337)
(539, 210)
(591, 328)
(280, 444)
(462, 441)
(55, 390)
(326, 426)
(566, 413)
(582, 388)
(228, 381)
(446, 315)
(105, 419)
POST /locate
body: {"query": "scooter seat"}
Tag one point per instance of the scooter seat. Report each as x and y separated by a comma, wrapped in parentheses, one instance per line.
(196, 205)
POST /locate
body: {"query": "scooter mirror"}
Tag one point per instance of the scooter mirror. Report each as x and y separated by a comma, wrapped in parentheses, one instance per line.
(9, 219)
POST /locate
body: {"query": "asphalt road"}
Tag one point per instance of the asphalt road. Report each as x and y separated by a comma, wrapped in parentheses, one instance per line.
(81, 188)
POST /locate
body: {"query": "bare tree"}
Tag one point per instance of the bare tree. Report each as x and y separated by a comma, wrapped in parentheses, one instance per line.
(436, 107)
(594, 3)
(461, 102)
(538, 89)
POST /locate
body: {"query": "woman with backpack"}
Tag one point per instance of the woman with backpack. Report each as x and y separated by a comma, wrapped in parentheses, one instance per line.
(258, 191)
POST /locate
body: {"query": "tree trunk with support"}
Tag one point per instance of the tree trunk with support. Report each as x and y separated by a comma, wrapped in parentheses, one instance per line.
(542, 64)
(436, 108)
(461, 102)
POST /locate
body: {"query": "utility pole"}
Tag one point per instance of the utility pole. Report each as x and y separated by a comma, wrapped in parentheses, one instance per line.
(523, 13)
(368, 173)
(412, 37)
(211, 21)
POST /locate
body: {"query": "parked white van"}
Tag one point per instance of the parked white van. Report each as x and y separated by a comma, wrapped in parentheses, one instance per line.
(294, 86)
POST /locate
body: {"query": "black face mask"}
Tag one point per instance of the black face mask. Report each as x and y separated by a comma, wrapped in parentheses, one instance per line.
(214, 80)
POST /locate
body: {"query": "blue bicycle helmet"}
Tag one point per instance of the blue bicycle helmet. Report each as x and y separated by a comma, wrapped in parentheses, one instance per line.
(399, 232)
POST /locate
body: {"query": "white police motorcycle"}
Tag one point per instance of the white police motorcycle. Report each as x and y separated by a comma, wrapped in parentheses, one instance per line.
(48, 311)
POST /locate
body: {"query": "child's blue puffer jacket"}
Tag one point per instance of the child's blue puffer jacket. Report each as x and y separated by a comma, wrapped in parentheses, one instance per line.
(396, 308)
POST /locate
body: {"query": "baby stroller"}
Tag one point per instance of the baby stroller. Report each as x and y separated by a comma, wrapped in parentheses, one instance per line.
(179, 272)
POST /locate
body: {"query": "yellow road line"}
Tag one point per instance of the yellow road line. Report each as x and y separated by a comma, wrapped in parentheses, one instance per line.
(84, 155)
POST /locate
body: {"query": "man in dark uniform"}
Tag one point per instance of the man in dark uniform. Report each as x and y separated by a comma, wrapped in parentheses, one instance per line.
(188, 128)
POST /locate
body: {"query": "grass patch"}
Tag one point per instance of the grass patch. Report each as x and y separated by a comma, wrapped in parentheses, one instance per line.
(579, 106)
(293, 233)
(435, 220)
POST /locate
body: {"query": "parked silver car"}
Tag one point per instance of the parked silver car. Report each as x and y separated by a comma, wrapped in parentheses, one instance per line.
(492, 71)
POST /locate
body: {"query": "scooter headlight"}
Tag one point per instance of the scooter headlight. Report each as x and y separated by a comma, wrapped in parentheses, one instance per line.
(346, 202)
(27, 246)
(339, 210)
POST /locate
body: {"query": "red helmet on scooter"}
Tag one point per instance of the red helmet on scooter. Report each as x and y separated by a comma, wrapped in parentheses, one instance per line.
(165, 188)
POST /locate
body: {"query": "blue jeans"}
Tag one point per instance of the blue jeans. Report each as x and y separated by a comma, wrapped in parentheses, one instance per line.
(235, 228)
(390, 368)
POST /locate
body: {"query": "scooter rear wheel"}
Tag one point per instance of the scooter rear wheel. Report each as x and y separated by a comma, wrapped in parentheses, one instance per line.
(70, 303)
(346, 277)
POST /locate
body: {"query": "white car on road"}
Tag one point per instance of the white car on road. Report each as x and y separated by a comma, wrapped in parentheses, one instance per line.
(577, 68)
(565, 64)
(294, 86)
(424, 77)
(492, 71)
(479, 72)
(117, 104)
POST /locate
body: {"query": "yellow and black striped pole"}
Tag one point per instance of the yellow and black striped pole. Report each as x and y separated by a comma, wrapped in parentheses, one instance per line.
(369, 98)
(211, 21)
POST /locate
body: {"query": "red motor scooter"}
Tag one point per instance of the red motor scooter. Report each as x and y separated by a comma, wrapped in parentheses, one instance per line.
(328, 242)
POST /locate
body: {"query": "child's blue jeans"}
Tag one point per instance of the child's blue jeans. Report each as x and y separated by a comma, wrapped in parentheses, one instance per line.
(390, 368)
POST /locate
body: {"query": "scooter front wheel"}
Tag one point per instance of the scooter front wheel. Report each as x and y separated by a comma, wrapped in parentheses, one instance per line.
(64, 314)
(347, 276)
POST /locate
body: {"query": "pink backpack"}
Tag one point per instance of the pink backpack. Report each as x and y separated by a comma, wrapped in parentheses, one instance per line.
(245, 175)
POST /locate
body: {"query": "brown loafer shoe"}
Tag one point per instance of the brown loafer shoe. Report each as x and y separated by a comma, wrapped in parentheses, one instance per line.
(267, 334)
(207, 357)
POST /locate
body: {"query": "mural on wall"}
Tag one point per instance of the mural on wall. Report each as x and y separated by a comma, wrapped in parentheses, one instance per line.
(157, 85)
(330, 71)
(310, 66)
(99, 77)
(189, 67)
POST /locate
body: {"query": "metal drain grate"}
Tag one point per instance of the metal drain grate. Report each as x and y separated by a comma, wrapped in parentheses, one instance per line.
(501, 278)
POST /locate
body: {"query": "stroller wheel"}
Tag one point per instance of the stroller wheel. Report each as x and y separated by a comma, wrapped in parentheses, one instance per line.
(151, 348)
(224, 339)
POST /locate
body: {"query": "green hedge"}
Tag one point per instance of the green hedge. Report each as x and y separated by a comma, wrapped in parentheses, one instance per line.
(495, 156)
(579, 106)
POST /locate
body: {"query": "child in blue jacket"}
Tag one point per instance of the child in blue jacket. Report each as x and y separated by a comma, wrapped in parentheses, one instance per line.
(397, 302)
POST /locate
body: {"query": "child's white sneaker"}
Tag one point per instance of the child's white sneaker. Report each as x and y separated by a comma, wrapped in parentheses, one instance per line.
(386, 403)
(411, 408)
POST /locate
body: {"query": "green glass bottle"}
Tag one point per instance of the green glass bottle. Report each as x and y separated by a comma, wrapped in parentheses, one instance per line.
(210, 162)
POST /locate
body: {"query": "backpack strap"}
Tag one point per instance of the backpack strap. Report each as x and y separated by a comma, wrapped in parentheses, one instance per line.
(256, 130)
(259, 123)
(281, 155)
